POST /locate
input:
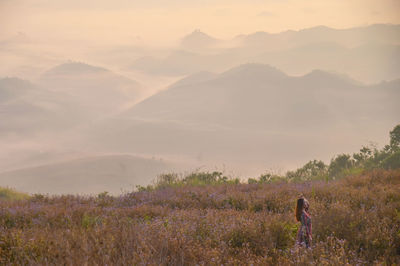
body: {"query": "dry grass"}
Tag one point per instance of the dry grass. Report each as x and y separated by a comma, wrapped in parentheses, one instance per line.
(356, 220)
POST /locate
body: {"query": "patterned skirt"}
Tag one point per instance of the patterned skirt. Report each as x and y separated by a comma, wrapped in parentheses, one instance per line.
(303, 238)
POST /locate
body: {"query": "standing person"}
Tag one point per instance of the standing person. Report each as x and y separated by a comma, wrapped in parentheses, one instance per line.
(304, 235)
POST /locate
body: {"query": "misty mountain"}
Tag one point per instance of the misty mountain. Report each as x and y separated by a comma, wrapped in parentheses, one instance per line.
(351, 37)
(369, 63)
(254, 115)
(97, 89)
(183, 62)
(112, 173)
(369, 54)
(26, 108)
(195, 78)
(263, 97)
(198, 40)
(12, 88)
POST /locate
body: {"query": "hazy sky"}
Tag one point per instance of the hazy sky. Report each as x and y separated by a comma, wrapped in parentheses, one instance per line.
(163, 21)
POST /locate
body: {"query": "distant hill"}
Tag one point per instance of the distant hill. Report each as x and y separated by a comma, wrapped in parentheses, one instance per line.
(195, 78)
(67, 95)
(97, 89)
(369, 63)
(11, 88)
(26, 108)
(369, 54)
(260, 96)
(112, 173)
(198, 40)
(253, 114)
(183, 62)
(350, 37)
(73, 69)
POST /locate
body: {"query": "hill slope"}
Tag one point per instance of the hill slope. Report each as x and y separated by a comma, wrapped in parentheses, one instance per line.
(254, 115)
(112, 173)
(26, 109)
(97, 89)
(262, 97)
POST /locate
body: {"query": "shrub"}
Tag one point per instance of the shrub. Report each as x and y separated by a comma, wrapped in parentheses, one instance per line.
(392, 161)
(9, 194)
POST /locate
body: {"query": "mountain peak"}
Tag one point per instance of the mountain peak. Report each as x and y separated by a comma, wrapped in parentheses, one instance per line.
(198, 39)
(75, 68)
(317, 28)
(198, 34)
(14, 80)
(318, 75)
(322, 73)
(15, 84)
(255, 69)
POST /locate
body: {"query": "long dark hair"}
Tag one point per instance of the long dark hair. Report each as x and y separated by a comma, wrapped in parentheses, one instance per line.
(299, 208)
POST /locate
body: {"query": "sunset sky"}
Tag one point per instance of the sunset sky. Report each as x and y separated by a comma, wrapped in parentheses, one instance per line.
(164, 21)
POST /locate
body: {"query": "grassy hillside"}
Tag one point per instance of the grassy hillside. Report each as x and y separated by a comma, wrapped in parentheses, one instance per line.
(208, 218)
(356, 220)
(8, 194)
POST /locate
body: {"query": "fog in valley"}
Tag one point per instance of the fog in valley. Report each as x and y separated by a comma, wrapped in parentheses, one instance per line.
(97, 97)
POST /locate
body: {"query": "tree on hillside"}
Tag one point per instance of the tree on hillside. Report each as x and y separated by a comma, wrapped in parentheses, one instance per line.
(339, 164)
(395, 138)
(392, 161)
(364, 157)
(390, 156)
(312, 169)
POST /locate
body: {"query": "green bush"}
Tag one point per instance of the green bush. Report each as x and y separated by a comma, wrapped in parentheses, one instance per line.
(10, 194)
(392, 161)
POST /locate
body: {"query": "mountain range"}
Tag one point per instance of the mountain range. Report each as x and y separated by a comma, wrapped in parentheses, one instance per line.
(369, 54)
(260, 96)
(65, 96)
(254, 113)
(92, 87)
(55, 130)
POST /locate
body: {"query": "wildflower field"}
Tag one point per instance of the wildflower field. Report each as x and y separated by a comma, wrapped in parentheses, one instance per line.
(356, 220)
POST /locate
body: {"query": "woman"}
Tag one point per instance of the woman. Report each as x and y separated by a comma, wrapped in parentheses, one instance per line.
(304, 236)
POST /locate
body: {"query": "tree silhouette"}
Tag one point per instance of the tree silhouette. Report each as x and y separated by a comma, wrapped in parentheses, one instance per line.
(395, 138)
